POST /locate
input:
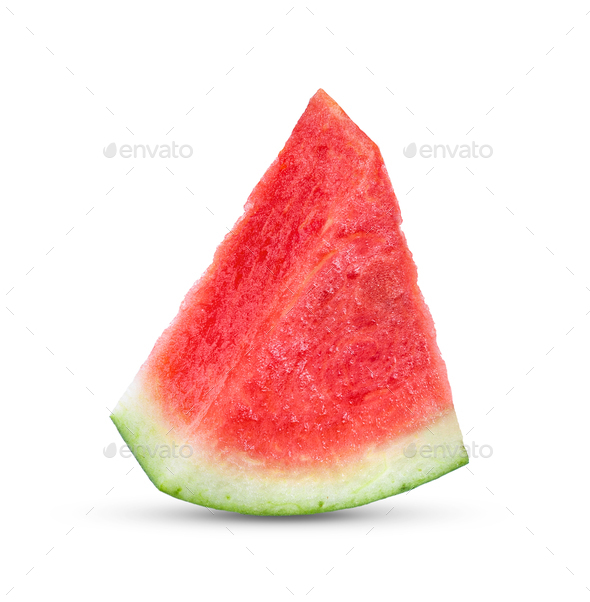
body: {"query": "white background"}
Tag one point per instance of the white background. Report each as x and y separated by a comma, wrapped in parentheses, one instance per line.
(501, 246)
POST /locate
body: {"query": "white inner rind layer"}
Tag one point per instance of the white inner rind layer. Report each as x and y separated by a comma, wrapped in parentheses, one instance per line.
(250, 488)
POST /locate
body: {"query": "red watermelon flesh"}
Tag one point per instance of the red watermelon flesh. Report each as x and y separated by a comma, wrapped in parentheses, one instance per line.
(303, 365)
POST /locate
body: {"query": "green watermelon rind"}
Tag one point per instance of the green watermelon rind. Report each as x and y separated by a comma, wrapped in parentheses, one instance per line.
(231, 485)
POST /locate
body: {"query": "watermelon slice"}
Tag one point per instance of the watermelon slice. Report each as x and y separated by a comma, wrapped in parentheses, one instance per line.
(301, 373)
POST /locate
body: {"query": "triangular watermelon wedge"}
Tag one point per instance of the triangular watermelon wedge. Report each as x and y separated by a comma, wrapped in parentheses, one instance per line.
(301, 373)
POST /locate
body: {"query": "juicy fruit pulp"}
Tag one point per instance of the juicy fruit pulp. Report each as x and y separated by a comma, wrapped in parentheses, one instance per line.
(305, 358)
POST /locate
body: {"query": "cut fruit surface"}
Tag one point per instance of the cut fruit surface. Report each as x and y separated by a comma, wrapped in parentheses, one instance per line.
(303, 365)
